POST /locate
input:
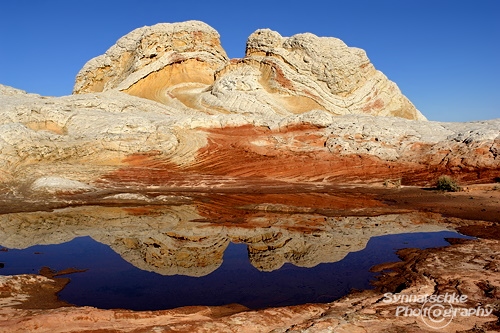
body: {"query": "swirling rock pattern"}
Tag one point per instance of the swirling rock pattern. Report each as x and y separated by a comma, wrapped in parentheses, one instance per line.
(184, 65)
(165, 107)
(166, 110)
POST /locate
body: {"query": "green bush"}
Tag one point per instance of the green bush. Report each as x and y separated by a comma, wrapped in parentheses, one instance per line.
(447, 184)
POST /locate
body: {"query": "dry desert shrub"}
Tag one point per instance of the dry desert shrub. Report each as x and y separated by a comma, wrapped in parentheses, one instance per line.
(447, 184)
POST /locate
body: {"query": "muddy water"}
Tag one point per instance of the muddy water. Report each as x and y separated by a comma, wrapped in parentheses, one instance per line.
(261, 250)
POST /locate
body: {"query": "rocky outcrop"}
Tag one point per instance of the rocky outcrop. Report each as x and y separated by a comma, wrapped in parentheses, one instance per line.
(153, 58)
(40, 134)
(113, 139)
(165, 119)
(165, 107)
(303, 73)
(183, 65)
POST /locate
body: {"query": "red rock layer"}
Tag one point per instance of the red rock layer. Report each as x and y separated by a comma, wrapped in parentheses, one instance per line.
(249, 158)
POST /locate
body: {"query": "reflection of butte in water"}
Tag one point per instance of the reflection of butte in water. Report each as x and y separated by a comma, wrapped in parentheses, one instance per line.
(168, 241)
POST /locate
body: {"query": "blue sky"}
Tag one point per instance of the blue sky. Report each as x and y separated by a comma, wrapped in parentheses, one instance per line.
(443, 54)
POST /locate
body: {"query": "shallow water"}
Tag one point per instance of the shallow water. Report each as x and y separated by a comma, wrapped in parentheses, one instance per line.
(258, 250)
(112, 282)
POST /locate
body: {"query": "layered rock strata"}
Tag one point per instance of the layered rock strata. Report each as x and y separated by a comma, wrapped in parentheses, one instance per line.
(114, 139)
(183, 65)
(166, 107)
(165, 110)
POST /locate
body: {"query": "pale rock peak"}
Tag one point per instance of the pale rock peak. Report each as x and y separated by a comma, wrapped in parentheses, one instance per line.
(183, 65)
(170, 42)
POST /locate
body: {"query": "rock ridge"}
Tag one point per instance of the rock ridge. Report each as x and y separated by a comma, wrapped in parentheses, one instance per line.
(146, 50)
(183, 64)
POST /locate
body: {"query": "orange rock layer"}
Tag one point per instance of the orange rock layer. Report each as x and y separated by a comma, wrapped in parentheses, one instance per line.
(249, 157)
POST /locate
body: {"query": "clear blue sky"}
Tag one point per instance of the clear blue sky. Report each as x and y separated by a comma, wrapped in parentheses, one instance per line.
(443, 54)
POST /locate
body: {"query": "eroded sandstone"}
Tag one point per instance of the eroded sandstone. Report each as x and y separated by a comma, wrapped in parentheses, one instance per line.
(166, 107)
(165, 119)
(183, 65)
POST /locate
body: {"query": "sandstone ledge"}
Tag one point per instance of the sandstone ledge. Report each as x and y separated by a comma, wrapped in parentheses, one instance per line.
(166, 107)
(116, 140)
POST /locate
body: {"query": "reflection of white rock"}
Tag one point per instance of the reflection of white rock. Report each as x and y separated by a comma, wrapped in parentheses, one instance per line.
(54, 184)
(167, 240)
(329, 242)
(127, 196)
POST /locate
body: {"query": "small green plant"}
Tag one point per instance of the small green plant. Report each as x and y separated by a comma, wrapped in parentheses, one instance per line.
(447, 184)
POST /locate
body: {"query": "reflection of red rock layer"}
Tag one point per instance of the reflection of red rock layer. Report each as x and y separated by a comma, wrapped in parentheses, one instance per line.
(252, 157)
(284, 202)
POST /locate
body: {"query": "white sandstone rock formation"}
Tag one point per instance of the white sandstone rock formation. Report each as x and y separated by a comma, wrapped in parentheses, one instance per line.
(183, 65)
(166, 107)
